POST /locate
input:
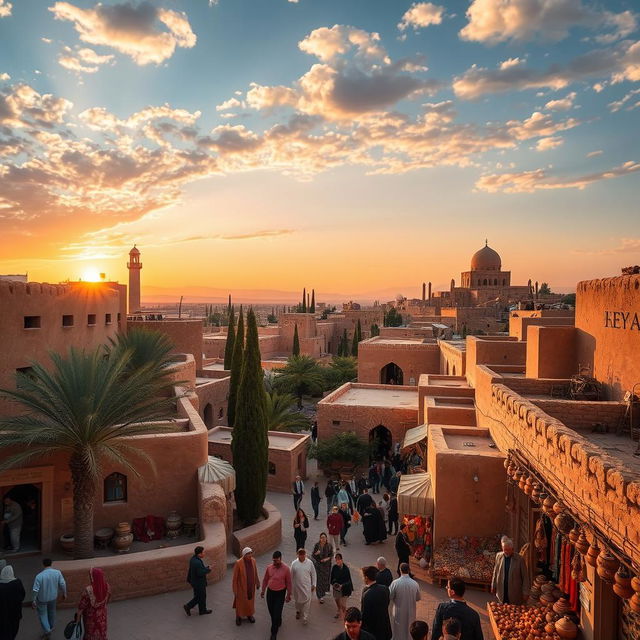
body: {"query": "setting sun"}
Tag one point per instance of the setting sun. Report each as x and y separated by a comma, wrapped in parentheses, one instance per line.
(91, 275)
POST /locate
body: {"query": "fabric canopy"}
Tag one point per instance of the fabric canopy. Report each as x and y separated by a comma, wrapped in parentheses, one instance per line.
(218, 471)
(415, 494)
(415, 435)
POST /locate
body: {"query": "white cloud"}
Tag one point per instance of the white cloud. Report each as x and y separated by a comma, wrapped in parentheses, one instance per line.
(594, 154)
(624, 102)
(619, 63)
(82, 59)
(131, 29)
(231, 103)
(511, 62)
(5, 8)
(493, 21)
(328, 43)
(530, 181)
(561, 104)
(4, 77)
(544, 144)
(420, 15)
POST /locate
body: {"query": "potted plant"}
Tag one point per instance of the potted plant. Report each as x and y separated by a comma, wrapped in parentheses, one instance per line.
(343, 449)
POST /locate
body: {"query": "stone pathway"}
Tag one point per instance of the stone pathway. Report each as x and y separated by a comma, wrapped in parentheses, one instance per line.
(162, 616)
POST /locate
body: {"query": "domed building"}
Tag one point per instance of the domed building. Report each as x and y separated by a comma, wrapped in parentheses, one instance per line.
(486, 270)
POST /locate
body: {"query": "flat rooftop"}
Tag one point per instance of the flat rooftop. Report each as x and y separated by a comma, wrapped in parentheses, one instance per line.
(378, 397)
(620, 447)
(460, 345)
(395, 341)
(283, 441)
(475, 443)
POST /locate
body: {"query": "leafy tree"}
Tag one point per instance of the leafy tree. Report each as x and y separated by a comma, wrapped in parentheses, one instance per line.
(281, 415)
(544, 289)
(339, 371)
(300, 376)
(296, 342)
(392, 318)
(86, 406)
(343, 447)
(569, 299)
(325, 314)
(236, 370)
(375, 330)
(249, 444)
(312, 308)
(231, 340)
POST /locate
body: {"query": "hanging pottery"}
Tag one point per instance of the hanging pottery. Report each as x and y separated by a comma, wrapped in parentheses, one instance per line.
(608, 561)
(528, 486)
(523, 481)
(592, 554)
(547, 506)
(563, 522)
(537, 491)
(634, 603)
(582, 544)
(574, 534)
(635, 583)
(622, 583)
(558, 508)
(578, 569)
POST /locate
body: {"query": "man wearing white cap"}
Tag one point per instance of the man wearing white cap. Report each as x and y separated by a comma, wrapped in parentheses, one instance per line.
(303, 578)
(245, 584)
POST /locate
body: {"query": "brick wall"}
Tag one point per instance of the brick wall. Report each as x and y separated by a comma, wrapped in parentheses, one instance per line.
(414, 359)
(262, 536)
(581, 416)
(551, 352)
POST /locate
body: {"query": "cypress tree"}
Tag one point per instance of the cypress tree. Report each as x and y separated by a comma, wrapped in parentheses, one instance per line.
(359, 331)
(345, 344)
(304, 300)
(236, 370)
(296, 342)
(231, 339)
(354, 343)
(312, 308)
(250, 446)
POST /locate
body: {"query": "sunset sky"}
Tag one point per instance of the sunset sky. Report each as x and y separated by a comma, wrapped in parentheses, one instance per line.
(355, 146)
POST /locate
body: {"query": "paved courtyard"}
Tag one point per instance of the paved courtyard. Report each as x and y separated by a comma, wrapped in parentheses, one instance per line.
(162, 616)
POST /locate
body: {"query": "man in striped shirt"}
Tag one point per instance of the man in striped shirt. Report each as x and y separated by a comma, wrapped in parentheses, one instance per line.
(277, 584)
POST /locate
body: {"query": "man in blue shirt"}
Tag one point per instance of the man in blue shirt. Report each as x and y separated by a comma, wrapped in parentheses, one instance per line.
(46, 587)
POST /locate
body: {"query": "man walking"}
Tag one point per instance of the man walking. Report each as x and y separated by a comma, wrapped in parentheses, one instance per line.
(315, 499)
(303, 582)
(298, 492)
(393, 515)
(12, 519)
(197, 578)
(384, 576)
(346, 523)
(457, 608)
(277, 584)
(510, 580)
(404, 592)
(353, 627)
(375, 606)
(402, 547)
(46, 587)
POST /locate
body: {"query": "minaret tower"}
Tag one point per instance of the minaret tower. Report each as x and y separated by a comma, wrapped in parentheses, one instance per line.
(134, 265)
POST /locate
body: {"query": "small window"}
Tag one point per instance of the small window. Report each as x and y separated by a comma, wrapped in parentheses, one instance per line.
(119, 317)
(272, 469)
(221, 413)
(336, 423)
(107, 318)
(91, 319)
(115, 488)
(67, 321)
(32, 322)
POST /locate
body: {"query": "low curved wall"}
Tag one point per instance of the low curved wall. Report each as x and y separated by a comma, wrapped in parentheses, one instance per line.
(262, 536)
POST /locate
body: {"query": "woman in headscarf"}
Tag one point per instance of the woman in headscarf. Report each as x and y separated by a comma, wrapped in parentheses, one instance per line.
(245, 584)
(322, 556)
(11, 597)
(93, 606)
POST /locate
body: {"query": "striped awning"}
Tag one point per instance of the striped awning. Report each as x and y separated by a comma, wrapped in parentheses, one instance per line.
(218, 471)
(414, 436)
(415, 495)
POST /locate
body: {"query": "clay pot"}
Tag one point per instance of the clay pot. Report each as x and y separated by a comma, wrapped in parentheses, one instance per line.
(507, 462)
(536, 493)
(550, 627)
(547, 599)
(623, 577)
(624, 592)
(592, 554)
(562, 606)
(566, 628)
(522, 483)
(528, 486)
(558, 508)
(123, 538)
(548, 587)
(173, 524)
(574, 534)
(582, 544)
(539, 580)
(634, 603)
(608, 562)
(67, 542)
(563, 521)
(635, 583)
(547, 506)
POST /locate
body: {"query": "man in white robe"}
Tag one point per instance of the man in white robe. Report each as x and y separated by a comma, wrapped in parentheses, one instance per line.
(404, 592)
(303, 580)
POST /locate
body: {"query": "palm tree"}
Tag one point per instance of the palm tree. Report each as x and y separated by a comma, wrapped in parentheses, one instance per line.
(281, 416)
(87, 406)
(345, 369)
(300, 376)
(145, 347)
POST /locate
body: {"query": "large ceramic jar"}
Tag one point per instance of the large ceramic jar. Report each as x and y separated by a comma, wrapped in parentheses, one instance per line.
(174, 524)
(123, 538)
(592, 554)
(582, 544)
(67, 542)
(566, 628)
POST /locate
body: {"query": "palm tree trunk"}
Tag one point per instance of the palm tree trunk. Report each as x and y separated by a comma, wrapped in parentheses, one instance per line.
(83, 499)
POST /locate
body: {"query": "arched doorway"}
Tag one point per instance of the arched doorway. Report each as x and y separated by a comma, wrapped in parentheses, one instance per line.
(29, 497)
(380, 443)
(208, 416)
(391, 374)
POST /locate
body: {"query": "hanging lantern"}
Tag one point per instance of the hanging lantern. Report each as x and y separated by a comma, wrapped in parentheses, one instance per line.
(582, 544)
(592, 554)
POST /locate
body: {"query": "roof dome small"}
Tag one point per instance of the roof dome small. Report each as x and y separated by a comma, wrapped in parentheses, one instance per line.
(134, 251)
(486, 259)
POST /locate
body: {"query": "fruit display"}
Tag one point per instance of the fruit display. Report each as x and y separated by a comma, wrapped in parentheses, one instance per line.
(519, 622)
(468, 557)
(419, 536)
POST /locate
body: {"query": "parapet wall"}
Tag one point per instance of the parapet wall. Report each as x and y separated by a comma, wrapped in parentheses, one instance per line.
(608, 323)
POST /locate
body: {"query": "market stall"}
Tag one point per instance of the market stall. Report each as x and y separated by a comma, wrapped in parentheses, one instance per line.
(414, 448)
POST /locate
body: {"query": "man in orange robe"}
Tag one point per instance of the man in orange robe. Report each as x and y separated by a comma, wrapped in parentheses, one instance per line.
(245, 584)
